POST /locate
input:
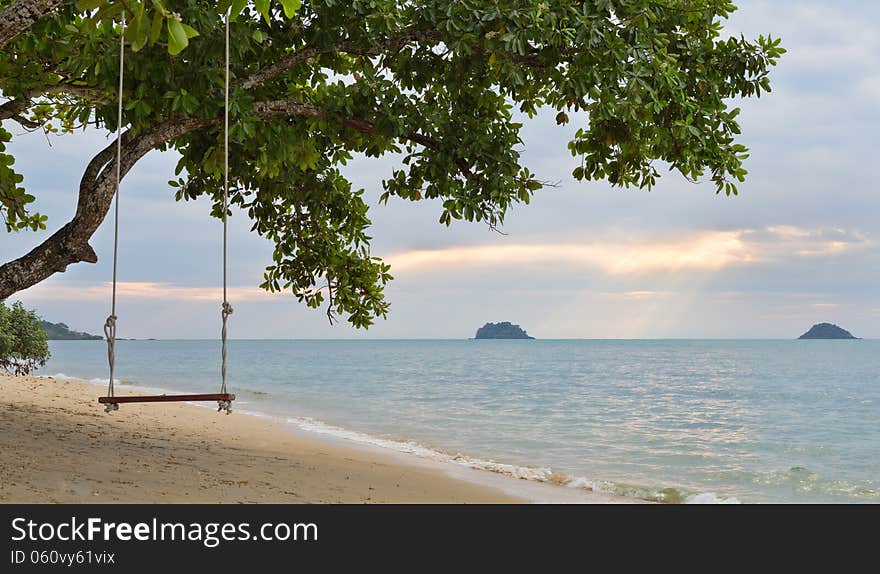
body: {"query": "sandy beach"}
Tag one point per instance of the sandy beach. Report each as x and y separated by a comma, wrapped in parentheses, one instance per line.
(57, 445)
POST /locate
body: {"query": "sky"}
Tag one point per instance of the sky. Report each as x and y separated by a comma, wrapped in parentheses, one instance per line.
(798, 246)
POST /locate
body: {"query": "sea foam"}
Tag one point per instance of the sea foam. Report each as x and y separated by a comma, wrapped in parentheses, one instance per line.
(535, 474)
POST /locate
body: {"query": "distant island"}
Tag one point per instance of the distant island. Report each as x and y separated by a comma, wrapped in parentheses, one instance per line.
(61, 332)
(827, 331)
(504, 330)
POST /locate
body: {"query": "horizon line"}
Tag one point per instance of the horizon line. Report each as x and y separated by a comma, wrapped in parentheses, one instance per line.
(473, 339)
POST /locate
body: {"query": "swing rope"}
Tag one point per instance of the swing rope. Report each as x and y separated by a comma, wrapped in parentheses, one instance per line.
(226, 308)
(225, 402)
(110, 323)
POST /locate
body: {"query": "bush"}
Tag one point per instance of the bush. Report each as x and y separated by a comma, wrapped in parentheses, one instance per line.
(23, 344)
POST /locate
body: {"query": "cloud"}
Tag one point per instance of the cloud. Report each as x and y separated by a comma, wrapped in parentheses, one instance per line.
(819, 35)
(788, 231)
(711, 250)
(706, 251)
(140, 290)
(869, 88)
(791, 240)
(637, 295)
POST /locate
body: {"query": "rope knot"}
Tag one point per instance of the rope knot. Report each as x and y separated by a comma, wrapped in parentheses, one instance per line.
(226, 309)
(110, 334)
(110, 327)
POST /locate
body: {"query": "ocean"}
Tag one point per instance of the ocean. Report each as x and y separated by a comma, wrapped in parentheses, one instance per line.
(751, 421)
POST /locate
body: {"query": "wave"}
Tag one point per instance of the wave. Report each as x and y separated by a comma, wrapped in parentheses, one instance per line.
(710, 498)
(64, 377)
(414, 448)
(128, 384)
(805, 480)
(140, 386)
(535, 474)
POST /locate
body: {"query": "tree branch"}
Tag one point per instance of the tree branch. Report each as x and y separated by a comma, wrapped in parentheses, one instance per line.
(388, 44)
(300, 56)
(292, 108)
(13, 109)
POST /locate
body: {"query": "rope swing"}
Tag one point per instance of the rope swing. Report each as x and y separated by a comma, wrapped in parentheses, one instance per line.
(226, 308)
(110, 323)
(224, 398)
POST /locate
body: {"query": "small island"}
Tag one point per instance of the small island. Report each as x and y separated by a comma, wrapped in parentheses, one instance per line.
(504, 330)
(61, 332)
(827, 331)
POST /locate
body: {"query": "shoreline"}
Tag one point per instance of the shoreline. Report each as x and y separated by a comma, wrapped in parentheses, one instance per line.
(59, 446)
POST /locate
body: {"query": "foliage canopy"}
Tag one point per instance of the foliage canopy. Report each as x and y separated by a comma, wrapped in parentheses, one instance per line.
(445, 83)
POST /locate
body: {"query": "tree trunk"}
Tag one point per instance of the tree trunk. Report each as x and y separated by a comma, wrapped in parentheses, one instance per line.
(70, 244)
(22, 15)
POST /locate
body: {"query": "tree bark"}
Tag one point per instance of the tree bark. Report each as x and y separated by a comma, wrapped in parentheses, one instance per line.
(22, 15)
(70, 244)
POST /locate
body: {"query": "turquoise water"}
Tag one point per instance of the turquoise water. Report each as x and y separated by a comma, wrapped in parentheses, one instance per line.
(754, 421)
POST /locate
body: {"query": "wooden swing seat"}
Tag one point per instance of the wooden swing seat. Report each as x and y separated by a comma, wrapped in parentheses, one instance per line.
(111, 403)
(167, 398)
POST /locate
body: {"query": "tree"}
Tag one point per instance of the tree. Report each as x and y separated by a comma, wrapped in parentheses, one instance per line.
(441, 82)
(23, 345)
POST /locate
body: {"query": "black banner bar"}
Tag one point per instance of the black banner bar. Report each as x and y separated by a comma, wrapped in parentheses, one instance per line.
(128, 538)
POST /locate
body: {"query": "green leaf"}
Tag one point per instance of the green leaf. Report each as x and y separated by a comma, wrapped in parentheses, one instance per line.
(107, 11)
(237, 7)
(89, 4)
(140, 30)
(177, 38)
(262, 7)
(190, 31)
(160, 8)
(291, 7)
(156, 27)
(139, 41)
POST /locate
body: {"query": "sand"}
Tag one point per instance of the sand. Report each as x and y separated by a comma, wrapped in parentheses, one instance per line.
(57, 445)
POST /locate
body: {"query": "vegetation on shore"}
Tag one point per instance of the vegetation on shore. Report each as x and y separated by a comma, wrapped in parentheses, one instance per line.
(61, 332)
(23, 342)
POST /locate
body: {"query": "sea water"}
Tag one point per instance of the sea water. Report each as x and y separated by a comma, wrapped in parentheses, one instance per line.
(668, 420)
